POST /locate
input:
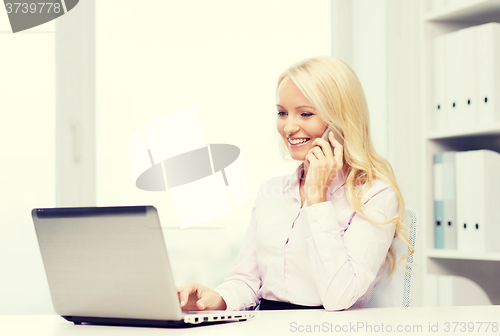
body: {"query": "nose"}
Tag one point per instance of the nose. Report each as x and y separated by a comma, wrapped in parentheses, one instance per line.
(291, 126)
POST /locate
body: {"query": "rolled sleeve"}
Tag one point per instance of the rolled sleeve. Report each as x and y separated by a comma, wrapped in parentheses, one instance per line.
(344, 264)
(240, 287)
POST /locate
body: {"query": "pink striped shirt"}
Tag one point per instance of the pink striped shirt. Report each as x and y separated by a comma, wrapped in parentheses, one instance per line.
(324, 254)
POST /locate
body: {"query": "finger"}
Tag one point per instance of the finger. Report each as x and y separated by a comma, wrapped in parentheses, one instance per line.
(179, 289)
(320, 142)
(334, 140)
(185, 292)
(313, 160)
(320, 156)
(324, 145)
(337, 148)
(206, 299)
(325, 159)
(310, 154)
(339, 158)
(317, 152)
(201, 304)
(339, 161)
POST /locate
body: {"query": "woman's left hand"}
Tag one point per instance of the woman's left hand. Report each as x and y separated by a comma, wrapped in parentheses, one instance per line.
(322, 167)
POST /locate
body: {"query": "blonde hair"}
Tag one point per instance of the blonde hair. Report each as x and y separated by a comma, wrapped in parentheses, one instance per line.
(335, 91)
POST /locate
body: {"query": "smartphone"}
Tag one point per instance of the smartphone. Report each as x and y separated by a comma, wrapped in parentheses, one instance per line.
(335, 133)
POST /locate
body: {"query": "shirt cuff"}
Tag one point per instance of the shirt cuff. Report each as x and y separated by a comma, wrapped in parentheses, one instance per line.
(321, 217)
(228, 297)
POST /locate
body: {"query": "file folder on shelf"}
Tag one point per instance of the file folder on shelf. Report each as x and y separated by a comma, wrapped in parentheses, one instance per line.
(454, 79)
(488, 69)
(440, 101)
(438, 201)
(468, 101)
(449, 201)
(478, 200)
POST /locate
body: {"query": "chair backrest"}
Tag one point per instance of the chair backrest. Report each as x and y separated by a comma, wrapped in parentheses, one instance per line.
(396, 290)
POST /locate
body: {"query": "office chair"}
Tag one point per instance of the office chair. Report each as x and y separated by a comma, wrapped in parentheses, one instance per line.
(396, 291)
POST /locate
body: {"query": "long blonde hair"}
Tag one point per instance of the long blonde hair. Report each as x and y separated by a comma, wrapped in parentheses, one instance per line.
(335, 91)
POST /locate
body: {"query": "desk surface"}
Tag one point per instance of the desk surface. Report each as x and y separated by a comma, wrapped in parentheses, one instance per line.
(382, 321)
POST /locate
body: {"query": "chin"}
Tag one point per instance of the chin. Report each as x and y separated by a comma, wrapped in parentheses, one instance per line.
(297, 157)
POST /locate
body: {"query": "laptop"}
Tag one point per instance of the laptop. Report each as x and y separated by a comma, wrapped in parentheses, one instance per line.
(109, 265)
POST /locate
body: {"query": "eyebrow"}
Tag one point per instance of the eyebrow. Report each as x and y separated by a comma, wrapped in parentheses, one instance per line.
(298, 107)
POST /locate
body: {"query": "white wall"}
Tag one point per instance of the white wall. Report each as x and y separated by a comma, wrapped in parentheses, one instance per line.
(27, 161)
(224, 57)
(359, 34)
(369, 60)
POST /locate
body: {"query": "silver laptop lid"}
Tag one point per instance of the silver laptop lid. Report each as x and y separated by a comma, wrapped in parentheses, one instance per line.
(107, 262)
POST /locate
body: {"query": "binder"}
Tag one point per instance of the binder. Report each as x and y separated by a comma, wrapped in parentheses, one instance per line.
(438, 201)
(488, 68)
(478, 200)
(440, 104)
(449, 201)
(468, 101)
(454, 79)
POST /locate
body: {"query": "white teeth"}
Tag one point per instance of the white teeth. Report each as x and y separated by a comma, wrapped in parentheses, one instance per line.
(297, 141)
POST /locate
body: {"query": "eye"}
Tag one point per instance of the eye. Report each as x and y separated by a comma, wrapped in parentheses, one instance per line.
(281, 113)
(306, 114)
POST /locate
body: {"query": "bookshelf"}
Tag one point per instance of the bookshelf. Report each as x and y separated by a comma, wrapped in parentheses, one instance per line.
(481, 267)
(493, 130)
(450, 254)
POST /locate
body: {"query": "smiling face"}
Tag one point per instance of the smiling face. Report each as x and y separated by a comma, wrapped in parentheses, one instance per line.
(298, 122)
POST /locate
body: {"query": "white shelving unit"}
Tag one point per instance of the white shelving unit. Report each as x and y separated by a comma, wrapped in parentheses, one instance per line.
(482, 268)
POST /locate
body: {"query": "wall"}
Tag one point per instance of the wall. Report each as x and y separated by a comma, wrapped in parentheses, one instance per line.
(224, 58)
(27, 161)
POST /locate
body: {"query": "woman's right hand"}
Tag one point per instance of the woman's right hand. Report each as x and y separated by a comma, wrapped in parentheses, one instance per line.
(194, 296)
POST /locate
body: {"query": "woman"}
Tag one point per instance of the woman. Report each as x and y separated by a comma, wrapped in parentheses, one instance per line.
(321, 237)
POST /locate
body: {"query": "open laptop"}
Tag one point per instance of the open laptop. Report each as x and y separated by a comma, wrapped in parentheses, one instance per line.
(109, 265)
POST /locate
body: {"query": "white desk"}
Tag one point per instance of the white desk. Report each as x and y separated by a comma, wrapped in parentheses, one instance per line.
(354, 322)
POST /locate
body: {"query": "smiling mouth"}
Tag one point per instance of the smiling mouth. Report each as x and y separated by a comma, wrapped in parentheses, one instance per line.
(298, 141)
